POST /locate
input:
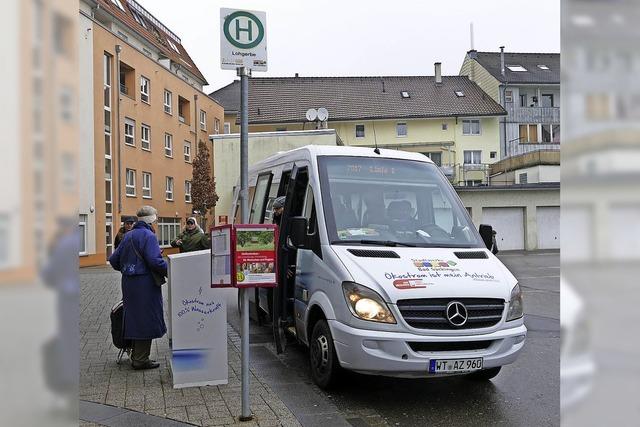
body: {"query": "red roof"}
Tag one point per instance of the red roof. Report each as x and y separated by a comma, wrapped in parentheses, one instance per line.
(144, 23)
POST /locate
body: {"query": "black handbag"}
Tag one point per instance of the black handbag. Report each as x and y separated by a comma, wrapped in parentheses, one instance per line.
(158, 278)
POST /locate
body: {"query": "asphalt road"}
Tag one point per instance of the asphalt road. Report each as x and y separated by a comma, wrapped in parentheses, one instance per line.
(525, 393)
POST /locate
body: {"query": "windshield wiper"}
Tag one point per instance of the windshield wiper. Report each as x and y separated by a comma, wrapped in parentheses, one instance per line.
(386, 243)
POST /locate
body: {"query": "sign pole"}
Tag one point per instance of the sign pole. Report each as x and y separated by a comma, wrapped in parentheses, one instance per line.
(244, 74)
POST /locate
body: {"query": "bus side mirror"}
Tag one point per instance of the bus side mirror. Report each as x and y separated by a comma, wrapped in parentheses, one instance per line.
(486, 232)
(298, 231)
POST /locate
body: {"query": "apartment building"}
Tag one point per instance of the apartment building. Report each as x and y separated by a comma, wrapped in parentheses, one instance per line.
(527, 85)
(143, 115)
(447, 118)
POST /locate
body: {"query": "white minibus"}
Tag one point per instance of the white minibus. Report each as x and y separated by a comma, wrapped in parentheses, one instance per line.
(381, 270)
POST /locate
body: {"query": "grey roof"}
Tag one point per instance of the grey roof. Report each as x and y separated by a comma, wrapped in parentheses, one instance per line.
(491, 62)
(286, 99)
(228, 96)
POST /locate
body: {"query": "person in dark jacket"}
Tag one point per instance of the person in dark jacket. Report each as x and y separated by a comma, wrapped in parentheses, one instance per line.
(127, 225)
(137, 255)
(192, 238)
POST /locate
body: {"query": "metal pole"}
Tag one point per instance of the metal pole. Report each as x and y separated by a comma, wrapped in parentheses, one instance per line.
(244, 208)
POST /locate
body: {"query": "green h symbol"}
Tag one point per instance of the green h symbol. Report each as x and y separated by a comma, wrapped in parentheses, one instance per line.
(249, 30)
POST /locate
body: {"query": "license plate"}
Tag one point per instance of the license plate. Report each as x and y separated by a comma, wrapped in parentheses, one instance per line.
(437, 366)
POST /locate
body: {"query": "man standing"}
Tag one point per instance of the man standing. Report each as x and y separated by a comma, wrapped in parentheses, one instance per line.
(192, 238)
(128, 221)
(278, 208)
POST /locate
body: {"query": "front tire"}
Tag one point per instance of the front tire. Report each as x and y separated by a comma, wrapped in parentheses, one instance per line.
(485, 374)
(325, 367)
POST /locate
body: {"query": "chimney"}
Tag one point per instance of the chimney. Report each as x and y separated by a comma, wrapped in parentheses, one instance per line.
(438, 69)
(472, 54)
(502, 60)
(297, 75)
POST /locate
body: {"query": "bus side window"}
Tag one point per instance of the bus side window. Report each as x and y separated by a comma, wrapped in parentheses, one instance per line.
(312, 219)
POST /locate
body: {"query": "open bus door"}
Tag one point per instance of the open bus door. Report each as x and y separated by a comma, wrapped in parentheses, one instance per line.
(283, 295)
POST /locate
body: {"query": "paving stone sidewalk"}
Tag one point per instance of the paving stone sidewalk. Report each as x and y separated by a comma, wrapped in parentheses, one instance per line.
(102, 380)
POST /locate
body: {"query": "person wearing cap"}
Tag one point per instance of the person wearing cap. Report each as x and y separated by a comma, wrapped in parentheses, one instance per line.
(278, 208)
(127, 225)
(137, 257)
(192, 238)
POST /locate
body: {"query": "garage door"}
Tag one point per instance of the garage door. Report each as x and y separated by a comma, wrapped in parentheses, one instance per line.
(624, 227)
(508, 224)
(576, 222)
(548, 220)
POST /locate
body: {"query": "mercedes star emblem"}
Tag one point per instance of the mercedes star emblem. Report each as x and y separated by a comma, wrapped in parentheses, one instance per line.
(456, 313)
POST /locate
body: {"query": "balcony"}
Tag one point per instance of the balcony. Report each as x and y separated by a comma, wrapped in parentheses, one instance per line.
(533, 114)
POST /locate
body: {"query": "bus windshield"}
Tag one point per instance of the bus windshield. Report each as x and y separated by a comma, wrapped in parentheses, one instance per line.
(392, 202)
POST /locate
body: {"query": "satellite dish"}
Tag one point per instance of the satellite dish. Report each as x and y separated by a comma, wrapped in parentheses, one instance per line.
(323, 114)
(312, 114)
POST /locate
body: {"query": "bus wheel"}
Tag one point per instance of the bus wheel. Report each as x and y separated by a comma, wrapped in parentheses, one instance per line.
(322, 355)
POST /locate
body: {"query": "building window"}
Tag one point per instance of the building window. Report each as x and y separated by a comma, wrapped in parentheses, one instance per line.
(436, 157)
(543, 67)
(523, 178)
(547, 100)
(146, 185)
(555, 130)
(187, 151)
(118, 3)
(183, 111)
(82, 224)
(546, 133)
(145, 137)
(493, 154)
(529, 133)
(227, 128)
(508, 96)
(203, 120)
(401, 129)
(129, 132)
(459, 93)
(359, 131)
(405, 94)
(523, 100)
(216, 126)
(168, 230)
(471, 127)
(168, 101)
(145, 89)
(473, 182)
(131, 182)
(472, 157)
(168, 145)
(127, 80)
(516, 68)
(445, 126)
(187, 191)
(168, 192)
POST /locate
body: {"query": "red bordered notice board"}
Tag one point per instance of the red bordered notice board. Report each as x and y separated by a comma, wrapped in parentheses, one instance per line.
(244, 255)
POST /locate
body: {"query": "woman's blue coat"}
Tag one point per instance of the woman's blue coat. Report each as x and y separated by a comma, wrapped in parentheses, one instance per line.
(142, 298)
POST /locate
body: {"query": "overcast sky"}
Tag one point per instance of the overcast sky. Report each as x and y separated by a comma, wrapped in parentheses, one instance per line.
(365, 38)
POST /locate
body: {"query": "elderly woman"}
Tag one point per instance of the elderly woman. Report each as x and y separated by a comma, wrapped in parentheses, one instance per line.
(136, 257)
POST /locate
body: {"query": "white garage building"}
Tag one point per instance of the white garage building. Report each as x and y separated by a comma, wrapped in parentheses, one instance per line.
(525, 217)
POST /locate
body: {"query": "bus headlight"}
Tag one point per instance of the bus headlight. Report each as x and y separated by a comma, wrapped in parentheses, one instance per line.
(366, 304)
(516, 309)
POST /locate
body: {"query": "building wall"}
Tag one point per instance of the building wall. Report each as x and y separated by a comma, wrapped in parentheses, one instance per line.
(529, 200)
(134, 157)
(477, 73)
(423, 135)
(538, 174)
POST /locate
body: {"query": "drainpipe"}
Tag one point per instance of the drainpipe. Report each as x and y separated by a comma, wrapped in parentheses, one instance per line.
(119, 132)
(196, 127)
